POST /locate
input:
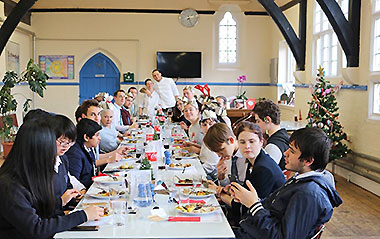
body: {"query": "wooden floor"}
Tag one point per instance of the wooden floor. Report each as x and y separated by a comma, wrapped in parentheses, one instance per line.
(359, 215)
(357, 218)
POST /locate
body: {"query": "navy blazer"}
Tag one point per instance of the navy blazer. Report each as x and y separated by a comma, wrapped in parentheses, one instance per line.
(81, 164)
(265, 176)
(61, 182)
(19, 218)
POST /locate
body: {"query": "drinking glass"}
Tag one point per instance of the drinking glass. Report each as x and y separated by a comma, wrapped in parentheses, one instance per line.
(118, 207)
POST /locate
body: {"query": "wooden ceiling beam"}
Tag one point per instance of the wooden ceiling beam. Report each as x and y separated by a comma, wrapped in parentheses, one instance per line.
(13, 20)
(347, 31)
(296, 44)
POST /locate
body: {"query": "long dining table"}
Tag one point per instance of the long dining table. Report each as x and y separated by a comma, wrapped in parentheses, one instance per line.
(138, 225)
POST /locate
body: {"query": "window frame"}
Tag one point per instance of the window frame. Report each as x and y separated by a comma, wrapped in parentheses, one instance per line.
(319, 36)
(289, 68)
(374, 78)
(237, 15)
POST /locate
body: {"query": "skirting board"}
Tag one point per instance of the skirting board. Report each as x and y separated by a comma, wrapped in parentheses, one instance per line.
(354, 178)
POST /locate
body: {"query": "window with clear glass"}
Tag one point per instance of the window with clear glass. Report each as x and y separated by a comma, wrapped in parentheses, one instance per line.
(286, 80)
(376, 98)
(328, 52)
(227, 39)
(376, 37)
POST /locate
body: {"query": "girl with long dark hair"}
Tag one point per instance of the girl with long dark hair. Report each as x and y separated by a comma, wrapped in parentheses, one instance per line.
(27, 198)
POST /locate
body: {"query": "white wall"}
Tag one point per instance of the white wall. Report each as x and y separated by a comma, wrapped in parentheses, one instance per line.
(133, 39)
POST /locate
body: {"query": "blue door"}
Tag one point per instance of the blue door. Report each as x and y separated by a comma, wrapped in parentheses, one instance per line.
(98, 74)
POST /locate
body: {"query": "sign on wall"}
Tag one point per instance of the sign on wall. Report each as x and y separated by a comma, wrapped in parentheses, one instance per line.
(57, 66)
(13, 57)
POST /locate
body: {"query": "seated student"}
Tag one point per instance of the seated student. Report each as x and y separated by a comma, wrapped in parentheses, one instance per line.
(189, 94)
(126, 112)
(221, 140)
(304, 203)
(178, 115)
(222, 100)
(267, 116)
(26, 188)
(191, 113)
(118, 108)
(109, 135)
(82, 154)
(262, 171)
(64, 191)
(208, 158)
(133, 92)
(90, 109)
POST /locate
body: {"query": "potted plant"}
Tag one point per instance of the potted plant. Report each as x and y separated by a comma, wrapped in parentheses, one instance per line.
(36, 79)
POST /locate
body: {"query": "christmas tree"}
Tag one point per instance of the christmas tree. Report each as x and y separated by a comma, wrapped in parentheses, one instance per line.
(323, 113)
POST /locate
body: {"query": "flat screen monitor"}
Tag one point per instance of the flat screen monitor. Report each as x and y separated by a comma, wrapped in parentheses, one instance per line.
(180, 64)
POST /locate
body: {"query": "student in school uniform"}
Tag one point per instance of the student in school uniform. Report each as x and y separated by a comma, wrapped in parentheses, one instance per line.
(82, 154)
(66, 186)
(27, 201)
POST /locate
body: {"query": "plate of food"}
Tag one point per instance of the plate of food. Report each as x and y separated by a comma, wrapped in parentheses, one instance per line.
(112, 194)
(179, 166)
(196, 209)
(108, 180)
(127, 157)
(184, 154)
(183, 182)
(197, 193)
(126, 166)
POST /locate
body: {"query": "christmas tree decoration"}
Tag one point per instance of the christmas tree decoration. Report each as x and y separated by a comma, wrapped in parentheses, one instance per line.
(323, 113)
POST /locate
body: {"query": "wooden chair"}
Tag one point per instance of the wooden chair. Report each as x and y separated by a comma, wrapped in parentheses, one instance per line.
(318, 232)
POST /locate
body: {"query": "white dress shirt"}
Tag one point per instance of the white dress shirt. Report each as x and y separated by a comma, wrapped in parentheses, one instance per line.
(117, 120)
(167, 90)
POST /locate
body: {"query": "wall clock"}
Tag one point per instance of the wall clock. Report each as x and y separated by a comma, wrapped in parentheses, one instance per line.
(188, 17)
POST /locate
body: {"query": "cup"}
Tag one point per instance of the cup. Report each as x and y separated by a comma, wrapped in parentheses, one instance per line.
(118, 207)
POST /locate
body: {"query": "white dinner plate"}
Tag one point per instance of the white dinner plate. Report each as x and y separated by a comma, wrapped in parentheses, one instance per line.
(107, 180)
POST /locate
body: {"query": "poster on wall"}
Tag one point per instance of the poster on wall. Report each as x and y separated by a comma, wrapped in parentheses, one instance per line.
(13, 57)
(57, 66)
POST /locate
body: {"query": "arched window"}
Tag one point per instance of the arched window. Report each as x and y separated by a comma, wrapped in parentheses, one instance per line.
(328, 53)
(227, 39)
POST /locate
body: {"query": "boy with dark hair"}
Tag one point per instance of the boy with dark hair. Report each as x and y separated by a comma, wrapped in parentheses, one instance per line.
(81, 155)
(90, 109)
(267, 116)
(304, 203)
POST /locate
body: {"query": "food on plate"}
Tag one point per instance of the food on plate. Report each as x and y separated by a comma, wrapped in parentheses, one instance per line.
(128, 157)
(184, 154)
(185, 181)
(104, 193)
(126, 166)
(197, 192)
(179, 165)
(195, 208)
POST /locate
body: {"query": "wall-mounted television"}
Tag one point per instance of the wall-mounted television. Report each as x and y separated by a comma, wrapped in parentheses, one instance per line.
(180, 64)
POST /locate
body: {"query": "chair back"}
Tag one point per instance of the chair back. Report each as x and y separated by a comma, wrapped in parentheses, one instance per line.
(318, 232)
